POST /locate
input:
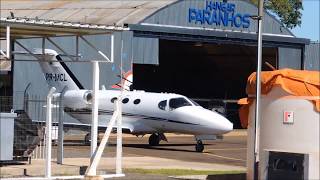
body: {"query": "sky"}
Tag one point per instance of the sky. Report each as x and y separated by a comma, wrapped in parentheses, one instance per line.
(310, 21)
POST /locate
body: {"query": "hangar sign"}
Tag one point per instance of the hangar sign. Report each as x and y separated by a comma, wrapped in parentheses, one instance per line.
(219, 13)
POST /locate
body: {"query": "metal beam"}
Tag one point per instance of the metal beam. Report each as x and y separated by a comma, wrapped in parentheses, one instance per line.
(93, 47)
(211, 35)
(27, 50)
(57, 46)
(8, 43)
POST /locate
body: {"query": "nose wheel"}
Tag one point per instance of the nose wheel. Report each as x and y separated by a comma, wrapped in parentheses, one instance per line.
(154, 140)
(199, 146)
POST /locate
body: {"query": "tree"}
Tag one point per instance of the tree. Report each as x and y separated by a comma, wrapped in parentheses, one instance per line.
(289, 11)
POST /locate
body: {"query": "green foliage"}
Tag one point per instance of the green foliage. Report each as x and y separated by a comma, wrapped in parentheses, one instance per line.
(289, 11)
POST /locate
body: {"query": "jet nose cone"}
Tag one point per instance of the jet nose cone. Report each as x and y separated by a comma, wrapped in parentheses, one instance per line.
(222, 124)
(216, 122)
(227, 125)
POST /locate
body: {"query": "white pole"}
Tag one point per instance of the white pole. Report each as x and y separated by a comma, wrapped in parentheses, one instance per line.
(48, 132)
(95, 159)
(119, 142)
(119, 124)
(112, 48)
(95, 103)
(258, 92)
(8, 42)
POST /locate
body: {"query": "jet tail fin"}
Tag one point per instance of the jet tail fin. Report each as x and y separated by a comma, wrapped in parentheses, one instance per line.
(126, 81)
(56, 72)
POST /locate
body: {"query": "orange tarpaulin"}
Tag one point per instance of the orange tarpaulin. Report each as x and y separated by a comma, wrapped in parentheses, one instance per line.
(295, 82)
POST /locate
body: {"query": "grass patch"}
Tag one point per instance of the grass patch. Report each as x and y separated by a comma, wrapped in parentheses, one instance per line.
(179, 172)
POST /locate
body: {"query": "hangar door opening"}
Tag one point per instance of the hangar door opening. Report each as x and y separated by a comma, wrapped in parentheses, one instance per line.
(214, 75)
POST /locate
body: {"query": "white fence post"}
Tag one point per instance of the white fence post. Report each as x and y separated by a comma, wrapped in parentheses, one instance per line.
(48, 132)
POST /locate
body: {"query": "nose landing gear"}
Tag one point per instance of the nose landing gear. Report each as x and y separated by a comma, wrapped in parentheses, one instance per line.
(199, 146)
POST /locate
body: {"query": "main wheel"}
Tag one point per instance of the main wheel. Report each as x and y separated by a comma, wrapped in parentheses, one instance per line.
(199, 146)
(87, 139)
(154, 140)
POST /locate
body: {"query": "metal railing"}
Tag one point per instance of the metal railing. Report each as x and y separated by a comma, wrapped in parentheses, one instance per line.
(29, 126)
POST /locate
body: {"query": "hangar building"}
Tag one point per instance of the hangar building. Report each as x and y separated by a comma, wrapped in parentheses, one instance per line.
(202, 49)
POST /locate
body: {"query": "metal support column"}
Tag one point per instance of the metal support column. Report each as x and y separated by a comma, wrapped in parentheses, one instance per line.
(112, 48)
(60, 129)
(119, 123)
(8, 54)
(43, 46)
(95, 103)
(77, 47)
(91, 171)
(258, 93)
(49, 132)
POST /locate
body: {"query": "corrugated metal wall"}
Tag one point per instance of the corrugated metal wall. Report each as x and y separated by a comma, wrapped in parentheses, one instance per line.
(146, 50)
(289, 58)
(312, 57)
(177, 14)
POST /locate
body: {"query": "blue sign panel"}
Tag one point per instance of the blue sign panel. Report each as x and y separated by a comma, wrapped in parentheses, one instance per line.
(219, 13)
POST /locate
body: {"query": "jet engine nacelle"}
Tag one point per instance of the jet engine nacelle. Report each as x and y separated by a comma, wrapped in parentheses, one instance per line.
(77, 99)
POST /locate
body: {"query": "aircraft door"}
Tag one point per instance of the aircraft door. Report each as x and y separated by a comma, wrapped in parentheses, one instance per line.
(174, 104)
(163, 113)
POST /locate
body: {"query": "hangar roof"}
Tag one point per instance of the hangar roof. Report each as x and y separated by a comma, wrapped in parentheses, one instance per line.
(111, 12)
(33, 18)
(34, 27)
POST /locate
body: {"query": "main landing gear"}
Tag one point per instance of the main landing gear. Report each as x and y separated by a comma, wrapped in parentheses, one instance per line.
(155, 139)
(87, 139)
(199, 146)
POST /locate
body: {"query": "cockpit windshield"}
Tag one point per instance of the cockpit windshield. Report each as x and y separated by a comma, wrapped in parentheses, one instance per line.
(175, 103)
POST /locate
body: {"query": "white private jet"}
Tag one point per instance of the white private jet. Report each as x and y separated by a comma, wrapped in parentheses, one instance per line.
(143, 112)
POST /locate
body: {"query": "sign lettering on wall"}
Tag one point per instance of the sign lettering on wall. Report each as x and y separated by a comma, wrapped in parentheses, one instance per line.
(219, 13)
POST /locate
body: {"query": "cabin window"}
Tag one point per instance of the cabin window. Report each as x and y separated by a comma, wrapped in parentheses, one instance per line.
(178, 102)
(136, 101)
(162, 105)
(125, 100)
(113, 99)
